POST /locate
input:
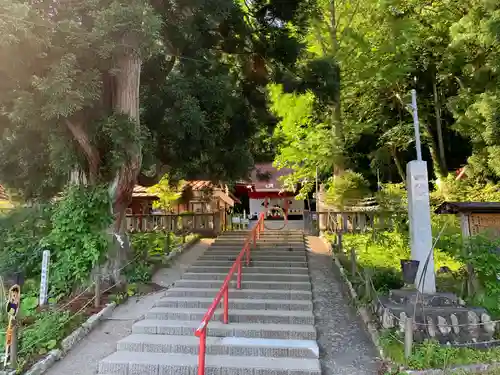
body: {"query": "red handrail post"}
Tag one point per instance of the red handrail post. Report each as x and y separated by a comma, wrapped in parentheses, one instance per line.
(226, 305)
(201, 354)
(239, 275)
(247, 250)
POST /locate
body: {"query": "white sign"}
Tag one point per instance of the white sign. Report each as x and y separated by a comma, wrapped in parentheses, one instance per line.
(245, 221)
(236, 220)
(45, 277)
(269, 186)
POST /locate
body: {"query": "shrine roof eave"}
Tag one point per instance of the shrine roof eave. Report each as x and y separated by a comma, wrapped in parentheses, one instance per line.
(468, 208)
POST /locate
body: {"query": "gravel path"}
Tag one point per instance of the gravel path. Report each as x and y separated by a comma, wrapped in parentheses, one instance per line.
(101, 342)
(345, 348)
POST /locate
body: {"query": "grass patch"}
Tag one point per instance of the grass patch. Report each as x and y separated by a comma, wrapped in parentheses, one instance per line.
(431, 354)
(381, 254)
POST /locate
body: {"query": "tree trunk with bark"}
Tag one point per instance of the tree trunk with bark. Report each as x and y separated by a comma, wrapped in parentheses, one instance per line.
(125, 101)
(399, 166)
(439, 130)
(337, 116)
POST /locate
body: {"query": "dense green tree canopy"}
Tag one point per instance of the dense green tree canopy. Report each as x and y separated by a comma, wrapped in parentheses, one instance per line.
(121, 92)
(357, 116)
(70, 88)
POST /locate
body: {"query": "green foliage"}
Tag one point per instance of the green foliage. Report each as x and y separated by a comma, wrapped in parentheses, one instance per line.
(78, 238)
(382, 251)
(48, 329)
(140, 272)
(431, 354)
(153, 244)
(468, 190)
(304, 137)
(348, 188)
(166, 191)
(392, 197)
(21, 233)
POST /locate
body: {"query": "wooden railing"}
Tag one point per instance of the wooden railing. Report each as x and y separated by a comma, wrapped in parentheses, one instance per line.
(179, 223)
(349, 221)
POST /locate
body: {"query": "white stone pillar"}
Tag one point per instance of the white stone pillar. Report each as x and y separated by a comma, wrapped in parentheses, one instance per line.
(420, 224)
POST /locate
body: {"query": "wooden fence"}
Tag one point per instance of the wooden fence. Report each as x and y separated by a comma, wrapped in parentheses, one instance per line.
(349, 221)
(200, 223)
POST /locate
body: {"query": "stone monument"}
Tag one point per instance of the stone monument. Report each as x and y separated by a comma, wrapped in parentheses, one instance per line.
(440, 316)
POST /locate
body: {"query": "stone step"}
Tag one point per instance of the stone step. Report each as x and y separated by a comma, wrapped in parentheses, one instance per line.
(281, 243)
(128, 363)
(246, 284)
(255, 263)
(246, 276)
(234, 303)
(250, 270)
(288, 295)
(237, 249)
(233, 346)
(262, 238)
(233, 254)
(274, 251)
(219, 329)
(257, 257)
(235, 316)
(265, 233)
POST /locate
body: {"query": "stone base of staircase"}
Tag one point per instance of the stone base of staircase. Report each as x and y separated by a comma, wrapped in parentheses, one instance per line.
(271, 324)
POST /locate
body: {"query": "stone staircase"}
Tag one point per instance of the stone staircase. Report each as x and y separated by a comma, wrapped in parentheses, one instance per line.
(271, 324)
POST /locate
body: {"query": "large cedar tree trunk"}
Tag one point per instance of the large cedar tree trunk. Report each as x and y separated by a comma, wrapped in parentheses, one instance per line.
(125, 101)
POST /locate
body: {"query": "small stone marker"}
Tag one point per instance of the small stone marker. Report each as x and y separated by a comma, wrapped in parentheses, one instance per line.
(44, 279)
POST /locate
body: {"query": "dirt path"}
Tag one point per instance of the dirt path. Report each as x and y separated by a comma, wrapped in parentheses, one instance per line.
(101, 342)
(345, 348)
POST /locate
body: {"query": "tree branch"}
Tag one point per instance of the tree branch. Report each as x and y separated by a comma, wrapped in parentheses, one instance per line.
(147, 181)
(90, 151)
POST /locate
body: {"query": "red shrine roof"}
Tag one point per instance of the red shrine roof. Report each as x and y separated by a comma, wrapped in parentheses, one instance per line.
(266, 177)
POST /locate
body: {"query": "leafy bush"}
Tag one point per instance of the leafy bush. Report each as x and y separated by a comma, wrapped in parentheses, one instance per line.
(153, 244)
(48, 329)
(392, 197)
(382, 251)
(21, 233)
(345, 189)
(78, 239)
(167, 192)
(140, 272)
(467, 190)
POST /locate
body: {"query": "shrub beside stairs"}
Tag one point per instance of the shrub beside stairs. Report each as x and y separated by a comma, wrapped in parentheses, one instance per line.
(271, 324)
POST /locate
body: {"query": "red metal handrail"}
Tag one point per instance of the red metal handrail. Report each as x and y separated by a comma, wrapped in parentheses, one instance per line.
(201, 331)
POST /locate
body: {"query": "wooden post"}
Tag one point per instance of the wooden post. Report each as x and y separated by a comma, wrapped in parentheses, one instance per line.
(368, 284)
(167, 244)
(339, 243)
(353, 262)
(345, 224)
(13, 345)
(97, 285)
(465, 228)
(362, 222)
(408, 337)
